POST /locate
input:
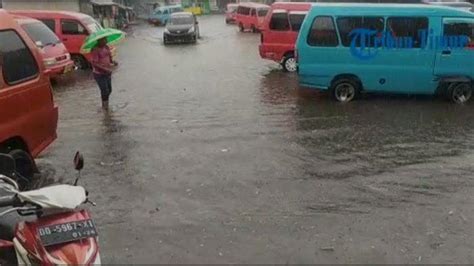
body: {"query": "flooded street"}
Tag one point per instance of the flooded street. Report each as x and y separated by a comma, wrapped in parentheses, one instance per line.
(212, 155)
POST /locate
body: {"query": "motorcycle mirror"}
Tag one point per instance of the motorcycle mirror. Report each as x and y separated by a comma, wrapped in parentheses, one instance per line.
(78, 161)
(7, 164)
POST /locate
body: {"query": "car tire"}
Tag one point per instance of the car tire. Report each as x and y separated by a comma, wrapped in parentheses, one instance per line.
(254, 29)
(459, 92)
(345, 90)
(25, 166)
(79, 62)
(241, 27)
(289, 63)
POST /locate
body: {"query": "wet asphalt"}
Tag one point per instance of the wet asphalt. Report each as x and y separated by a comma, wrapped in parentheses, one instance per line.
(212, 155)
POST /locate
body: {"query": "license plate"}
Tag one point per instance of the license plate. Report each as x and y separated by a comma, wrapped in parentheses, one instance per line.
(67, 69)
(66, 232)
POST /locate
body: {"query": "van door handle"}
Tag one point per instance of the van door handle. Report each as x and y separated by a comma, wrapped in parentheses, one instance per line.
(446, 52)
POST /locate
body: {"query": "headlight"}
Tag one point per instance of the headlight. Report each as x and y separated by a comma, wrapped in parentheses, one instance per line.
(191, 30)
(166, 30)
(49, 61)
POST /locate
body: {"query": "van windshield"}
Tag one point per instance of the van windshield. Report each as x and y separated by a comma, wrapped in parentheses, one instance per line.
(181, 20)
(40, 33)
(92, 25)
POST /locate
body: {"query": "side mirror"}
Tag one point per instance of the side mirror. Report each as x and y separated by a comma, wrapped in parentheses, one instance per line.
(7, 165)
(78, 161)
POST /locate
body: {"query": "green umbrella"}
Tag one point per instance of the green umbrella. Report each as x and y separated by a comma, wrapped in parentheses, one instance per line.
(113, 37)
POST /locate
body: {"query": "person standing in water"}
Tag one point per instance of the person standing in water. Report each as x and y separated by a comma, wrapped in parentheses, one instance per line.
(102, 67)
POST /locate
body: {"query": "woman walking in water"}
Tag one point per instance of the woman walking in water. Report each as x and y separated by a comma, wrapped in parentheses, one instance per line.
(102, 67)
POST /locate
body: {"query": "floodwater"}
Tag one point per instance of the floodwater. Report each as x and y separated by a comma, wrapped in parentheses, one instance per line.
(213, 155)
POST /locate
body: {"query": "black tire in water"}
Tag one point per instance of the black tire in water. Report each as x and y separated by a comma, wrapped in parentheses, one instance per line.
(345, 90)
(25, 166)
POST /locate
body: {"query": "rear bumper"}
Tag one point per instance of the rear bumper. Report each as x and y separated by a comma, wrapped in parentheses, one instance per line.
(267, 53)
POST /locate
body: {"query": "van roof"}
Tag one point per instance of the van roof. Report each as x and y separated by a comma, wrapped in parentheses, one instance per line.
(380, 9)
(48, 13)
(254, 5)
(6, 20)
(291, 5)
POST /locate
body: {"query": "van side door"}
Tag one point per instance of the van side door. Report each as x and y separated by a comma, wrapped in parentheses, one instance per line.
(455, 56)
(73, 35)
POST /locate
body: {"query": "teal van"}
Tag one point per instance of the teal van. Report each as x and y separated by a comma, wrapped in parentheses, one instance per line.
(161, 15)
(349, 48)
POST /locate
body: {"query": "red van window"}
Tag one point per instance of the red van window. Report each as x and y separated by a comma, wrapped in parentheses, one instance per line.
(262, 12)
(279, 22)
(252, 13)
(242, 10)
(50, 23)
(18, 63)
(71, 27)
(296, 20)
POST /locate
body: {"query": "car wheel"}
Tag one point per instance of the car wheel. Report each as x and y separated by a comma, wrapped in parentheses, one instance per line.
(254, 29)
(289, 63)
(460, 92)
(25, 167)
(79, 62)
(241, 27)
(345, 90)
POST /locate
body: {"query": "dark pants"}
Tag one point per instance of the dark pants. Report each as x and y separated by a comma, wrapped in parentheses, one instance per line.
(105, 85)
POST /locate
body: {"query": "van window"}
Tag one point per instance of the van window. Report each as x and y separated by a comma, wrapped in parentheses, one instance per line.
(166, 12)
(323, 32)
(50, 23)
(296, 20)
(18, 62)
(346, 25)
(71, 27)
(279, 22)
(252, 13)
(243, 10)
(460, 28)
(408, 27)
(262, 12)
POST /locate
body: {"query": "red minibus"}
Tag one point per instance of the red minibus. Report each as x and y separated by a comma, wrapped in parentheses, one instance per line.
(56, 57)
(72, 28)
(250, 16)
(28, 115)
(279, 33)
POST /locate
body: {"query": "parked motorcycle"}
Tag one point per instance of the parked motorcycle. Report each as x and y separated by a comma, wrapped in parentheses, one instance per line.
(61, 233)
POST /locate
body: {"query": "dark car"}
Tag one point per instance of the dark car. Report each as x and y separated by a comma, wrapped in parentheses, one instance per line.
(181, 27)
